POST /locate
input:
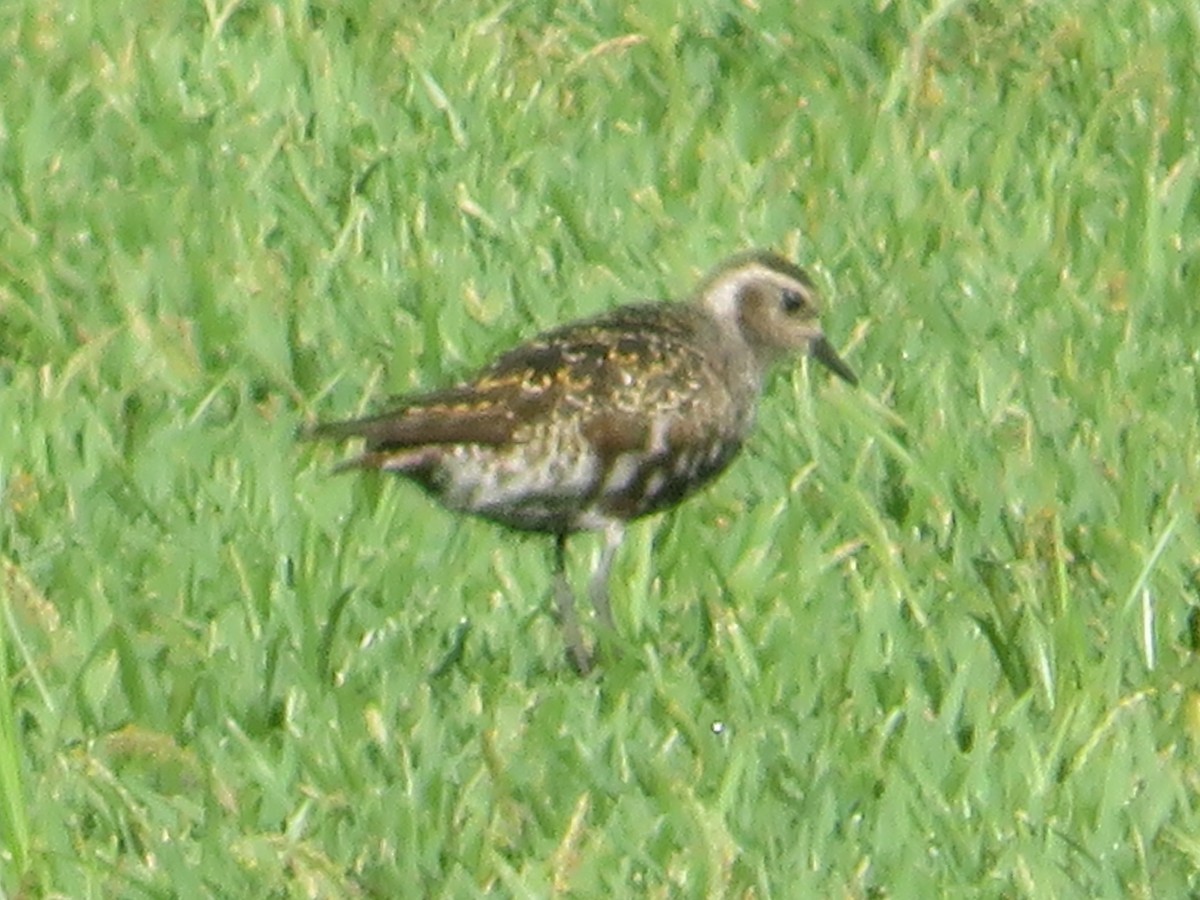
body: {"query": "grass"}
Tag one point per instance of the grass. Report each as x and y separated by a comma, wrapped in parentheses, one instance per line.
(932, 637)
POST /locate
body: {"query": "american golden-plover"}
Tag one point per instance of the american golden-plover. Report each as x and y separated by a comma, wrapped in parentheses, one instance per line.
(604, 420)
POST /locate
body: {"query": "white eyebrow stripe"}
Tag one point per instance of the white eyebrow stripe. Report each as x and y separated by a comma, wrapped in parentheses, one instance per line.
(722, 298)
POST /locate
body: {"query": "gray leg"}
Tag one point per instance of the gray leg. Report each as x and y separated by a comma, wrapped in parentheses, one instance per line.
(564, 600)
(614, 532)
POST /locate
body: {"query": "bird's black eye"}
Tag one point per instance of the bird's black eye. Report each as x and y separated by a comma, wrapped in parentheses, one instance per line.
(793, 301)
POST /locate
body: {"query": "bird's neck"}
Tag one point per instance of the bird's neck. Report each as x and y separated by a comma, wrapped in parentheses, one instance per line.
(741, 368)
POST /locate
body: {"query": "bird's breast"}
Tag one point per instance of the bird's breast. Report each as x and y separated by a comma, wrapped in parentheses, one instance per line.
(583, 474)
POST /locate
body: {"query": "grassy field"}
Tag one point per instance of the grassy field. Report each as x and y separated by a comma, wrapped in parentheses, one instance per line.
(930, 637)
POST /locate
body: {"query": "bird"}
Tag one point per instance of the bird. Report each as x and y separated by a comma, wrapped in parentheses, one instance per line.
(605, 420)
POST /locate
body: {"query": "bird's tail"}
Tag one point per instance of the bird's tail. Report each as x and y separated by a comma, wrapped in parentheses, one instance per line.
(421, 426)
(334, 431)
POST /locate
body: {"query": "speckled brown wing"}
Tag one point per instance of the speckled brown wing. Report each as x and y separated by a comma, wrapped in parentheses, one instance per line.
(634, 363)
(612, 417)
(639, 391)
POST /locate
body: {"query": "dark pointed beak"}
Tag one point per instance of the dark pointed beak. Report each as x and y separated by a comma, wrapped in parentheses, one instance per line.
(822, 351)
